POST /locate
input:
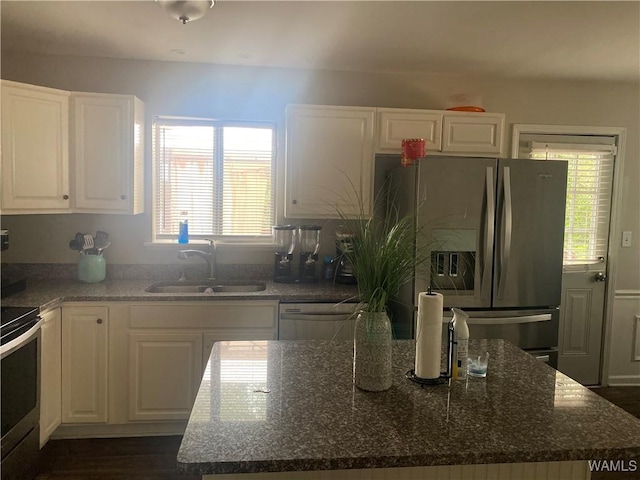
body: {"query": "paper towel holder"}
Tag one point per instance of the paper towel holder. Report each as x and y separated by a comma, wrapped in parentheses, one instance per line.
(445, 377)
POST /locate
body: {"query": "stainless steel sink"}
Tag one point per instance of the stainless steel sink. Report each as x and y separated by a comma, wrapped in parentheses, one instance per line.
(204, 287)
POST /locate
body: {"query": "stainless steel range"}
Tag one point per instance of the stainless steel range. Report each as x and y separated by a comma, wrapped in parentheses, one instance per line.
(20, 393)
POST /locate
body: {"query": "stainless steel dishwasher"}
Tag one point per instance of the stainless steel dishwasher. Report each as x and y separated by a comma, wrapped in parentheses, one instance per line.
(316, 321)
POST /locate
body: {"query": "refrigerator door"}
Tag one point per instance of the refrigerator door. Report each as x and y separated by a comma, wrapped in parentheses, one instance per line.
(531, 201)
(455, 214)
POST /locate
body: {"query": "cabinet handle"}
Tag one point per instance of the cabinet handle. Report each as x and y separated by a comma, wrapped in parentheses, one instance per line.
(99, 321)
(123, 197)
(295, 202)
(65, 197)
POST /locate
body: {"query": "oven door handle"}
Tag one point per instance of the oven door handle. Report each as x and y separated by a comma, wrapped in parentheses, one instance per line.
(22, 340)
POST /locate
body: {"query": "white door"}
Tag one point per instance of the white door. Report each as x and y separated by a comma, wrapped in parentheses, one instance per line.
(164, 374)
(35, 149)
(329, 161)
(584, 281)
(84, 364)
(51, 375)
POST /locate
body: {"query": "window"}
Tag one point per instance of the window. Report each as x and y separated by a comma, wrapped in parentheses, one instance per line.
(589, 184)
(218, 174)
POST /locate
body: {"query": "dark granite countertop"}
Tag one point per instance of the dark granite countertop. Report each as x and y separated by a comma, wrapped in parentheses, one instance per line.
(313, 418)
(48, 293)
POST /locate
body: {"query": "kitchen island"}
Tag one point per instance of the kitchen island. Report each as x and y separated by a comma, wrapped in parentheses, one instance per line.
(291, 407)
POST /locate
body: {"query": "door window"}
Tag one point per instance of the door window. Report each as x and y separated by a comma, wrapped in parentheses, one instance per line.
(589, 185)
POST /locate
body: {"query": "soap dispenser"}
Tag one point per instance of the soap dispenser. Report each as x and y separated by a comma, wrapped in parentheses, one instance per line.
(461, 344)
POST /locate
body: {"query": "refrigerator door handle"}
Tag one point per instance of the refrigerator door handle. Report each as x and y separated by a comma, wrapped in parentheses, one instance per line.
(506, 243)
(485, 285)
(545, 317)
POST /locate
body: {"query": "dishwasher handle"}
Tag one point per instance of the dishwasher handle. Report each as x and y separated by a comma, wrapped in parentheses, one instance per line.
(316, 317)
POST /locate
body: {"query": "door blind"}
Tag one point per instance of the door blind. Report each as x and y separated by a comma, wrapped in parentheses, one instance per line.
(589, 185)
(218, 175)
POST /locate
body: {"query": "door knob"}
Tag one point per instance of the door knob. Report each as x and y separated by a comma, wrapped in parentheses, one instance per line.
(600, 277)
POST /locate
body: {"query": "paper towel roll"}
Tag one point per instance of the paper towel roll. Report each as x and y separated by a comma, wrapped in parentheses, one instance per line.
(428, 335)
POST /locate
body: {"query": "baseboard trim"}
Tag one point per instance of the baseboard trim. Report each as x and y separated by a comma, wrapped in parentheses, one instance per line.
(624, 381)
(124, 430)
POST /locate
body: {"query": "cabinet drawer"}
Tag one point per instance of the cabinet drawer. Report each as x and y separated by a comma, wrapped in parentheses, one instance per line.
(221, 315)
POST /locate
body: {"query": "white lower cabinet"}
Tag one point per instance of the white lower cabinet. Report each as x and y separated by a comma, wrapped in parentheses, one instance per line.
(136, 367)
(169, 346)
(85, 333)
(50, 374)
(164, 374)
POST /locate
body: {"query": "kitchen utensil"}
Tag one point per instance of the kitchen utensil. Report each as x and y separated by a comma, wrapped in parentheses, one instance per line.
(88, 242)
(101, 248)
(74, 245)
(101, 238)
(79, 238)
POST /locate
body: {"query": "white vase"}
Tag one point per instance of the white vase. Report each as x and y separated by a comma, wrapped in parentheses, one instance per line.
(372, 352)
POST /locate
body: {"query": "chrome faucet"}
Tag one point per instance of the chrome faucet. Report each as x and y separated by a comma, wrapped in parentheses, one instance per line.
(209, 257)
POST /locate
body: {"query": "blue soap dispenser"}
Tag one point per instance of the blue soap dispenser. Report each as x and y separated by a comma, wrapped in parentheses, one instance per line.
(183, 231)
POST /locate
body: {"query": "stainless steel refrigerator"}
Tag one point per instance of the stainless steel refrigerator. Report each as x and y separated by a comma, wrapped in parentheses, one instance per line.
(491, 234)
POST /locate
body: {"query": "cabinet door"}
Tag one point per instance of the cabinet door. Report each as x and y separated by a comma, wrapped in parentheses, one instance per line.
(478, 134)
(165, 370)
(220, 336)
(35, 149)
(107, 136)
(84, 364)
(329, 160)
(51, 375)
(394, 125)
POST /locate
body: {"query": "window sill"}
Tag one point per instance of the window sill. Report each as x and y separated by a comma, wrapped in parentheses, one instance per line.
(202, 243)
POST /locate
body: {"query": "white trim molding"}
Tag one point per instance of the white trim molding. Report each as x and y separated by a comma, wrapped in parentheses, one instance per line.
(636, 346)
(616, 211)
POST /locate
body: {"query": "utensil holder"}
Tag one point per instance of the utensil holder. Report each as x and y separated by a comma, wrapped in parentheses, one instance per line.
(92, 268)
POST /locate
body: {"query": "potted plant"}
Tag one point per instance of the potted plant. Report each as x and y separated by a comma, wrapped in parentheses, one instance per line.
(383, 258)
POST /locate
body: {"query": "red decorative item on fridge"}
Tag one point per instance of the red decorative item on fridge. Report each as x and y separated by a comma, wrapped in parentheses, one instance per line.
(412, 149)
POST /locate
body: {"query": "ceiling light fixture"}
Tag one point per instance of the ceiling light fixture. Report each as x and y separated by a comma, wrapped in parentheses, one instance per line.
(186, 10)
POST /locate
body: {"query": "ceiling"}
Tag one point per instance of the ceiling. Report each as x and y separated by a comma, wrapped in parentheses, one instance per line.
(588, 40)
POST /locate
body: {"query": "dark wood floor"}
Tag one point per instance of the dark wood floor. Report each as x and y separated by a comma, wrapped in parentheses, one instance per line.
(142, 458)
(154, 458)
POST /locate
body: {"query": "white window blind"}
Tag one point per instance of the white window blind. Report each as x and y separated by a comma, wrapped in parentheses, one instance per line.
(589, 184)
(219, 174)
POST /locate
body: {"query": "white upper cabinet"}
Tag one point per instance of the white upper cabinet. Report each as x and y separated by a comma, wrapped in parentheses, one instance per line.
(446, 132)
(329, 160)
(35, 149)
(66, 152)
(473, 133)
(107, 153)
(396, 124)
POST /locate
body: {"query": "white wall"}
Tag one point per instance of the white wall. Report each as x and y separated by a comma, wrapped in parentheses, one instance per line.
(169, 88)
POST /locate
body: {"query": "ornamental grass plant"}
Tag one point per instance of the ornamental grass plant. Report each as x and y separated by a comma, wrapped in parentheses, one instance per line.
(384, 252)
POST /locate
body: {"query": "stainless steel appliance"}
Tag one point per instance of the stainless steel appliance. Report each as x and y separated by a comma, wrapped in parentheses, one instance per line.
(284, 237)
(309, 245)
(344, 269)
(316, 321)
(492, 233)
(20, 393)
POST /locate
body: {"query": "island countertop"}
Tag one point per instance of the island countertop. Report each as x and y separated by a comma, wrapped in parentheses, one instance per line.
(291, 405)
